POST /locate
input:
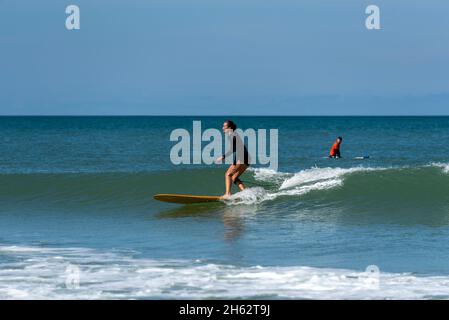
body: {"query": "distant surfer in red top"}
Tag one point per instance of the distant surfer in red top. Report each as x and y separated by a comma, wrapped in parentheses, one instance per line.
(335, 150)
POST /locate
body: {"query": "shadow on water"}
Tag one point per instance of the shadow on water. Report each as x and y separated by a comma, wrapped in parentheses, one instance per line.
(232, 217)
(192, 211)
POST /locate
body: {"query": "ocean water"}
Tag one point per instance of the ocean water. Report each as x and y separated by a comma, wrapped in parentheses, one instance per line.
(76, 201)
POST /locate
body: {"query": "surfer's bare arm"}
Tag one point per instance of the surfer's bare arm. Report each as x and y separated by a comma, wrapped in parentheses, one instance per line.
(227, 153)
(221, 158)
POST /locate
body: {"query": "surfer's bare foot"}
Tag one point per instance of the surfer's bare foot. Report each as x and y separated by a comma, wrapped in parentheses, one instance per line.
(226, 196)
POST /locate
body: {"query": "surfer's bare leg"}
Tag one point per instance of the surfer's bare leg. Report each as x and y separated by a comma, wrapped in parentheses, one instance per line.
(239, 169)
(241, 185)
(228, 180)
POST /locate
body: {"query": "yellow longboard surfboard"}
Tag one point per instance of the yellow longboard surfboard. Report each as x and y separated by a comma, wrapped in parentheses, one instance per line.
(185, 198)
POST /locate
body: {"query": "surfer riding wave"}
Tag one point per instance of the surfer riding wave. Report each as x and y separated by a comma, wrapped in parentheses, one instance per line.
(241, 158)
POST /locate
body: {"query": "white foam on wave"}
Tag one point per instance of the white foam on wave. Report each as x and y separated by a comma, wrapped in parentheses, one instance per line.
(269, 175)
(249, 196)
(314, 175)
(443, 166)
(41, 273)
(294, 184)
(319, 185)
(258, 195)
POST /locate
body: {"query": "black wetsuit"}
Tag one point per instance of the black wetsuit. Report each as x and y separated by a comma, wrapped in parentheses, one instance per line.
(336, 155)
(237, 142)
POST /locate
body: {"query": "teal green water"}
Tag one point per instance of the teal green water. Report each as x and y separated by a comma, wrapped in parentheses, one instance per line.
(78, 190)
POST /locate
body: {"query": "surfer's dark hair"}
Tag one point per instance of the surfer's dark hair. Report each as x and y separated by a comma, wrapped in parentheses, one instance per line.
(231, 124)
(341, 139)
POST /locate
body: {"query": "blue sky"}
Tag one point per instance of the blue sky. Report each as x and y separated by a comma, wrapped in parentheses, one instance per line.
(224, 57)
